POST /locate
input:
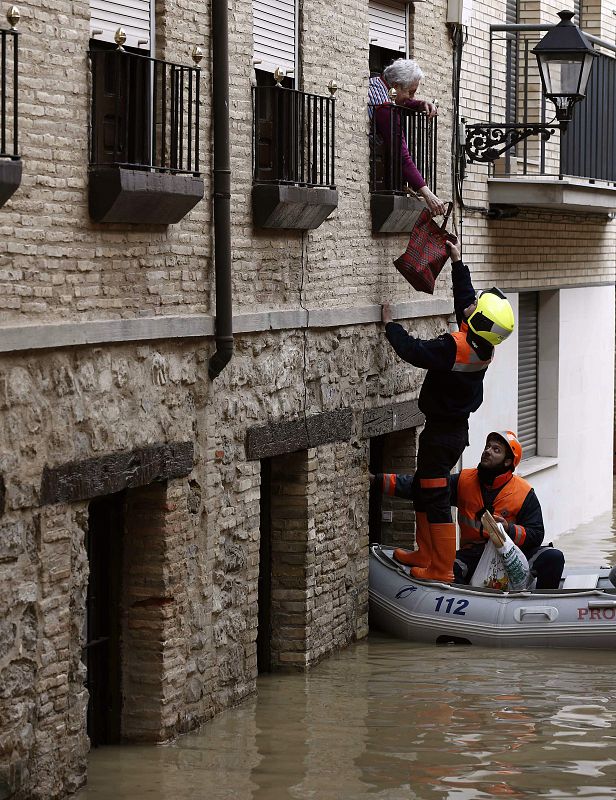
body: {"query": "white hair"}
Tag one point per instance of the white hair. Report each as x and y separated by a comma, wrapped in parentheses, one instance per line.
(404, 71)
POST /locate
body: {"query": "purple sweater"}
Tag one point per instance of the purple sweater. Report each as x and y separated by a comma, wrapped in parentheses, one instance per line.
(382, 118)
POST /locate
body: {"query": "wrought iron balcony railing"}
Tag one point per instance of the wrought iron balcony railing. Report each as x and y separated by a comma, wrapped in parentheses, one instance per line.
(9, 94)
(587, 149)
(392, 130)
(294, 137)
(144, 113)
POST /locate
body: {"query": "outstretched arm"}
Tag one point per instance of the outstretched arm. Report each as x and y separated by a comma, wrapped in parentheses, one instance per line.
(464, 294)
(392, 484)
(439, 353)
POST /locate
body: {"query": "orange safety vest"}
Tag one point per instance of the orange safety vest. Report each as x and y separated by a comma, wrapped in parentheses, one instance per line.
(467, 359)
(507, 504)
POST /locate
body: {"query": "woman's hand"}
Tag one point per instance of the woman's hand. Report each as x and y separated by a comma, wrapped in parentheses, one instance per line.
(386, 313)
(435, 205)
(429, 109)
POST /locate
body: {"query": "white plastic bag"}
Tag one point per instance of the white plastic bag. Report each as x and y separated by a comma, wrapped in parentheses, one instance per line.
(516, 565)
(504, 567)
(490, 571)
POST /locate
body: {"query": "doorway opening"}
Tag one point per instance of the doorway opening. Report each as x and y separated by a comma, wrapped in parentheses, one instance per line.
(392, 519)
(284, 568)
(102, 650)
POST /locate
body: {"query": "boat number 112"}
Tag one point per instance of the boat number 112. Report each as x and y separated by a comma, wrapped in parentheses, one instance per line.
(459, 609)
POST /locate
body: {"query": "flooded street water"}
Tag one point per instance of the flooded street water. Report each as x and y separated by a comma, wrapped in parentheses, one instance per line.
(389, 719)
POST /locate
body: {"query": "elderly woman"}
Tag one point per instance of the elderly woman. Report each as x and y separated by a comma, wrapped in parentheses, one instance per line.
(404, 76)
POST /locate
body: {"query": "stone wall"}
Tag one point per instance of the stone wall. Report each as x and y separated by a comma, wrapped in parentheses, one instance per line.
(192, 557)
(190, 616)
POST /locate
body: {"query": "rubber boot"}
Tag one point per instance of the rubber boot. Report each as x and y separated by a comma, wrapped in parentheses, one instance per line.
(423, 555)
(443, 536)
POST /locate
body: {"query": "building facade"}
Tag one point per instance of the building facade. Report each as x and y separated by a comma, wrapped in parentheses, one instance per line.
(172, 526)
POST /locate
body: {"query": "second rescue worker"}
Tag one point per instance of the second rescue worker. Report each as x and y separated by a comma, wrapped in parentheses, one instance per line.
(451, 391)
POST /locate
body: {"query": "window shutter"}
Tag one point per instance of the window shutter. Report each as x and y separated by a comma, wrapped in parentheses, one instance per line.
(274, 24)
(387, 21)
(577, 12)
(135, 16)
(511, 94)
(527, 371)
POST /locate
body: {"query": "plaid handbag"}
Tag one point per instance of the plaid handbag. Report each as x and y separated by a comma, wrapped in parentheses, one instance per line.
(425, 254)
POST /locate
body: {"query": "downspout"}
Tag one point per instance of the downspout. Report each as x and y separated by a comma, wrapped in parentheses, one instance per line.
(222, 189)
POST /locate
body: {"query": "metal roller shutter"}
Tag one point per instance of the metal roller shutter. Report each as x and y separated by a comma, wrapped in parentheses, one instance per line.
(577, 12)
(511, 93)
(528, 319)
(387, 22)
(135, 16)
(274, 24)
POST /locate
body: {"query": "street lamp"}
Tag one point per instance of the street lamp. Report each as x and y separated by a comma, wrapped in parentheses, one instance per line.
(564, 57)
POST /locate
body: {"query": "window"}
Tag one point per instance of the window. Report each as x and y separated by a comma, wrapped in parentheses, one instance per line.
(538, 327)
(388, 28)
(577, 13)
(10, 159)
(145, 112)
(144, 137)
(511, 39)
(135, 17)
(527, 372)
(275, 35)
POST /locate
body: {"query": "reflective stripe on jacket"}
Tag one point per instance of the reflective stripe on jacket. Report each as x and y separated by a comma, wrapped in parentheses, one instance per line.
(507, 504)
(467, 359)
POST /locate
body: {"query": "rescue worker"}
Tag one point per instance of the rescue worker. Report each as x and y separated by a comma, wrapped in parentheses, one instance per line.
(510, 499)
(451, 391)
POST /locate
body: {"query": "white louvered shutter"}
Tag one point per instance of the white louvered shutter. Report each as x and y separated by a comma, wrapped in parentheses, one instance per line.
(528, 320)
(134, 16)
(387, 22)
(274, 24)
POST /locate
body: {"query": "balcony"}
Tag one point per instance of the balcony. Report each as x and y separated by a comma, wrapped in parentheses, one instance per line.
(393, 131)
(10, 160)
(574, 171)
(144, 139)
(294, 135)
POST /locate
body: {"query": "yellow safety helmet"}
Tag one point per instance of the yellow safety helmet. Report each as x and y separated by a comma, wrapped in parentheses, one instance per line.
(493, 318)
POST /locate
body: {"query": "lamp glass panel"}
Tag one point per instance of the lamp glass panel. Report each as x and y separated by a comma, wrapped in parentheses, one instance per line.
(562, 75)
(585, 74)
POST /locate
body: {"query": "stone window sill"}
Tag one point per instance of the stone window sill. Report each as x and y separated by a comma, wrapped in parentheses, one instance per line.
(531, 466)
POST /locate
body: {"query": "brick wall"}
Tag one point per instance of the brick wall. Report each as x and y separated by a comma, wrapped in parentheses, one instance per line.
(199, 541)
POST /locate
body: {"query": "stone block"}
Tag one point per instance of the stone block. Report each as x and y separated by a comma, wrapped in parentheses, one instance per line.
(393, 213)
(10, 178)
(292, 207)
(124, 195)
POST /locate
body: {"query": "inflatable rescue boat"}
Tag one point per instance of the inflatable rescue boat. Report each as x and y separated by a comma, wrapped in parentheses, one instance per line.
(580, 614)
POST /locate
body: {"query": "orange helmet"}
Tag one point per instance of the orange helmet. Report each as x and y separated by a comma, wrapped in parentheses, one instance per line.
(512, 442)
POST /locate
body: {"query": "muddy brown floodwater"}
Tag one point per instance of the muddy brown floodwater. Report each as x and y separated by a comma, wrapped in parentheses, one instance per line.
(391, 720)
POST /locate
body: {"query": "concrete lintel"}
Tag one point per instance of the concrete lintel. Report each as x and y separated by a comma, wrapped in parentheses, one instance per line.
(72, 334)
(569, 195)
(53, 335)
(270, 321)
(391, 418)
(94, 477)
(290, 436)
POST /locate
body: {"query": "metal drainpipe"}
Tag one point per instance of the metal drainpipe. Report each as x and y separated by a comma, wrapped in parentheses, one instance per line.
(222, 189)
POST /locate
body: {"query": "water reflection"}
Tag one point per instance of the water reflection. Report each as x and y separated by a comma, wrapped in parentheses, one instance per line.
(392, 720)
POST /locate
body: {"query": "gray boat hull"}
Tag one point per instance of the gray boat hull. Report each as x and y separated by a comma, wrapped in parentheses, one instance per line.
(433, 612)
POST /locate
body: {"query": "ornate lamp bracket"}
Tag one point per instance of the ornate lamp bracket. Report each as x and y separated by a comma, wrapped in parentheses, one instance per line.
(486, 142)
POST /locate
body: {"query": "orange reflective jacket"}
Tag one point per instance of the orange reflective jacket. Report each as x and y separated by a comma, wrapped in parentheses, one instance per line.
(507, 504)
(467, 359)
